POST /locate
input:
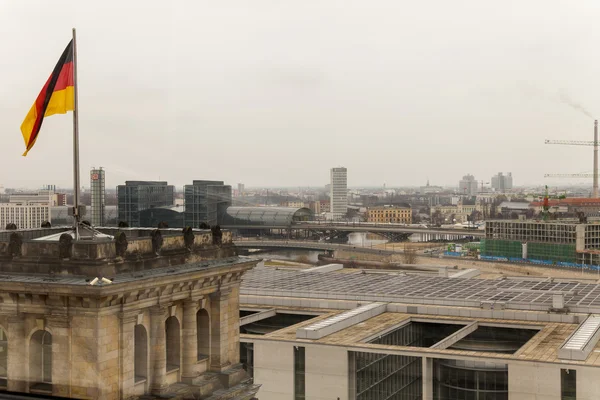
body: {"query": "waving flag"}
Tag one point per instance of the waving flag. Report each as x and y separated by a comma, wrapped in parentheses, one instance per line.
(57, 97)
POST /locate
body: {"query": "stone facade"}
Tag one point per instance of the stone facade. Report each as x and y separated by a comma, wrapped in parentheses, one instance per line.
(101, 326)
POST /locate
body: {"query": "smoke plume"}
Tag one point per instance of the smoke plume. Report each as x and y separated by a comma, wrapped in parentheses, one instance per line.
(565, 98)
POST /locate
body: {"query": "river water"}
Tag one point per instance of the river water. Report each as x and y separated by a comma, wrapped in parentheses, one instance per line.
(356, 239)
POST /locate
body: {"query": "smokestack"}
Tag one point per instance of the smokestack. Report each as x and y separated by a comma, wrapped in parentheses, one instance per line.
(595, 187)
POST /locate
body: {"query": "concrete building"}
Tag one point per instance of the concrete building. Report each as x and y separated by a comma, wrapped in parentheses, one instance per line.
(24, 214)
(355, 335)
(168, 330)
(564, 243)
(502, 183)
(293, 203)
(458, 213)
(393, 214)
(241, 189)
(60, 199)
(98, 196)
(136, 196)
(468, 185)
(339, 192)
(205, 202)
(589, 206)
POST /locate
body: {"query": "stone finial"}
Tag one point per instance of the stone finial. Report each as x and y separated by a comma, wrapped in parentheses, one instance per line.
(188, 237)
(157, 241)
(121, 244)
(14, 245)
(65, 246)
(217, 235)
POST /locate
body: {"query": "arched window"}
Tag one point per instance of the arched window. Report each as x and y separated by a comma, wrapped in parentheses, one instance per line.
(3, 357)
(40, 358)
(203, 334)
(141, 353)
(173, 343)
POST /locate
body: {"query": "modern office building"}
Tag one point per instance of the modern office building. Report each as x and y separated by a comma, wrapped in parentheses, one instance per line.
(98, 195)
(564, 243)
(25, 214)
(392, 214)
(136, 196)
(205, 201)
(339, 192)
(501, 182)
(346, 334)
(241, 189)
(169, 330)
(468, 185)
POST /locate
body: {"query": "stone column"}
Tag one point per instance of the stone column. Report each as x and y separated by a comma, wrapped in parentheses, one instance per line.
(158, 349)
(127, 353)
(59, 326)
(17, 361)
(427, 378)
(190, 341)
(219, 330)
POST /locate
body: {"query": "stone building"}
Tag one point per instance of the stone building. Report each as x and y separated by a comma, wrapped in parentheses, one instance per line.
(392, 214)
(121, 313)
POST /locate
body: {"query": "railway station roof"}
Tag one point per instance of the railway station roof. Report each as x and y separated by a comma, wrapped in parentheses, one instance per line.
(268, 216)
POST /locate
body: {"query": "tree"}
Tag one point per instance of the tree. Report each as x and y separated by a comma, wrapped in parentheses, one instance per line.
(410, 256)
(475, 216)
(436, 218)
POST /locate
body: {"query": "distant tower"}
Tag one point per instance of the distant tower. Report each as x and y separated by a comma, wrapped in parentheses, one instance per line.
(339, 192)
(97, 185)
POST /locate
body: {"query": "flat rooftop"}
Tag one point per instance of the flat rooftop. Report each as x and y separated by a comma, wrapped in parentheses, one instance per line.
(543, 346)
(512, 293)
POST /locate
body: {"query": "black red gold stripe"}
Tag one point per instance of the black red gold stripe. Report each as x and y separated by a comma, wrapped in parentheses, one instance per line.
(56, 97)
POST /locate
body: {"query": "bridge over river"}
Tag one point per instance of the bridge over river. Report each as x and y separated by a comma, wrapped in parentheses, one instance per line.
(393, 232)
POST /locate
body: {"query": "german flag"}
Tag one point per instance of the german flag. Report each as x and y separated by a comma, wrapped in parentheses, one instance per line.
(57, 97)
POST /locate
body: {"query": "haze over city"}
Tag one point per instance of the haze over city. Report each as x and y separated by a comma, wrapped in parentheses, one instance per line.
(275, 93)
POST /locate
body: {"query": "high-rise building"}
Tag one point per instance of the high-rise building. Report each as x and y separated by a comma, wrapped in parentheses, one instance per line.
(136, 196)
(468, 185)
(501, 182)
(241, 189)
(339, 192)
(98, 194)
(206, 201)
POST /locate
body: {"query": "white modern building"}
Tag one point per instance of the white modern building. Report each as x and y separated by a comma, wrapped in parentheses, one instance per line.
(24, 214)
(339, 192)
(346, 334)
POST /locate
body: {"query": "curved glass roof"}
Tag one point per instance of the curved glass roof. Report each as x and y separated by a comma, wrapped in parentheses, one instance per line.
(279, 216)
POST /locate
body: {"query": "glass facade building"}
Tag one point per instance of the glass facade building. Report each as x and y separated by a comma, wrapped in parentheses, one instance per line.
(136, 196)
(460, 380)
(385, 376)
(206, 201)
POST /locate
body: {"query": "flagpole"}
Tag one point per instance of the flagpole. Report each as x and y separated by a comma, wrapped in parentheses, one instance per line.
(76, 215)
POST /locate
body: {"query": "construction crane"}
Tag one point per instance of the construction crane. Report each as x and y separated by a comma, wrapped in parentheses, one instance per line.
(594, 174)
(571, 142)
(568, 175)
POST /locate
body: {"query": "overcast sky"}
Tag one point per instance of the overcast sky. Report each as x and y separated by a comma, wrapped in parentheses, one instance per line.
(275, 92)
